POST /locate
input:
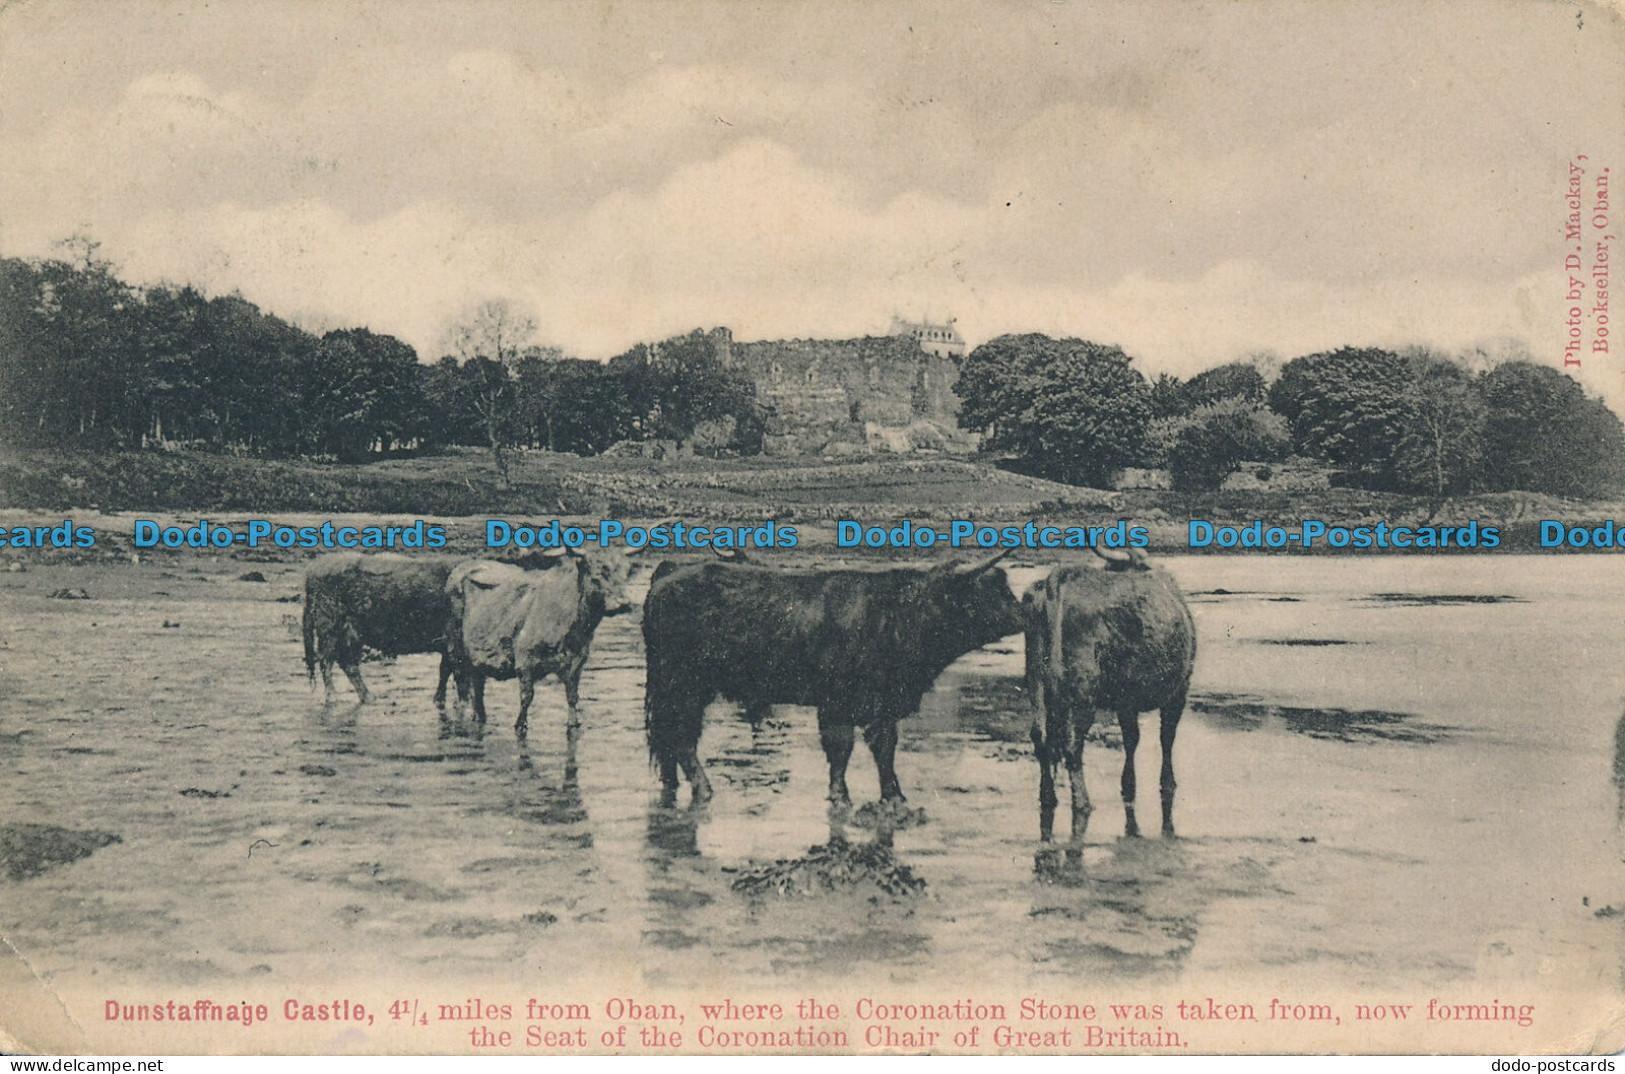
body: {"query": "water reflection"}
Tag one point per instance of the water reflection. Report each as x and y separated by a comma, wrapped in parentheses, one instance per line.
(539, 801)
(672, 833)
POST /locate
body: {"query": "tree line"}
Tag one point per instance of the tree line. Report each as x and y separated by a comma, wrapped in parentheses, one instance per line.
(89, 361)
(1415, 421)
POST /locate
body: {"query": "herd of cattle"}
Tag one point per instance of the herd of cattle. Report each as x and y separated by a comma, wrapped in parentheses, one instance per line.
(1110, 635)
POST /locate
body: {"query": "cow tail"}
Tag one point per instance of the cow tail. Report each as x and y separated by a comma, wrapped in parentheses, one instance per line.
(671, 723)
(660, 718)
(651, 736)
(1055, 660)
(309, 627)
(654, 668)
(1037, 607)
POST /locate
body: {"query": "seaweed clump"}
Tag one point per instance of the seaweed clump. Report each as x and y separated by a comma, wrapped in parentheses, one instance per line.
(832, 867)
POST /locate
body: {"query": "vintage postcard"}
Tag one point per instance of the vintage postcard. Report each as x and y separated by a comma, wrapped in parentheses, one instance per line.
(991, 527)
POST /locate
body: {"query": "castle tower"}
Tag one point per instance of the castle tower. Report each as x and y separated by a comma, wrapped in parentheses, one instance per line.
(942, 340)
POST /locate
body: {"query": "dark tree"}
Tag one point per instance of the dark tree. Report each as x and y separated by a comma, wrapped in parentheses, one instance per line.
(68, 353)
(1167, 397)
(1234, 380)
(1071, 409)
(675, 386)
(1348, 408)
(573, 405)
(1213, 441)
(358, 392)
(448, 413)
(1542, 434)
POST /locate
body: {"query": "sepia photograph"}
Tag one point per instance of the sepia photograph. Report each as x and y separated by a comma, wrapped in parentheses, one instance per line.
(742, 527)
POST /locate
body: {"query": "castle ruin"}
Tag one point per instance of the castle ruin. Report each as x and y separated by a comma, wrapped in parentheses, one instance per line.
(837, 397)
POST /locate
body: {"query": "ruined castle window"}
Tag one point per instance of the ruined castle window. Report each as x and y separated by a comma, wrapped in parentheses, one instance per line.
(778, 372)
(874, 375)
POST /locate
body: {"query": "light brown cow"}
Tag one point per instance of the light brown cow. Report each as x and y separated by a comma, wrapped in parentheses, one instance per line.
(513, 623)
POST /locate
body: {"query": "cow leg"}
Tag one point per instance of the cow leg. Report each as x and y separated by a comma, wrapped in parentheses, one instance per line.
(674, 719)
(478, 686)
(1130, 723)
(440, 688)
(689, 761)
(1171, 713)
(1046, 785)
(462, 678)
(348, 654)
(572, 778)
(1081, 808)
(327, 654)
(352, 671)
(837, 739)
(882, 740)
(527, 693)
(687, 756)
(1049, 729)
(571, 678)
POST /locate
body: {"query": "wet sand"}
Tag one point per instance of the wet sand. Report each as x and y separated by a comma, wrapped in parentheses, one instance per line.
(1377, 795)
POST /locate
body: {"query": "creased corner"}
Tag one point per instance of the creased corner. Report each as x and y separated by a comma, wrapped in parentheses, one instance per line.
(32, 1017)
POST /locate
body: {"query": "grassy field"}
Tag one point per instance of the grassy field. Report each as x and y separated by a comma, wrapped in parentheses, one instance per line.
(464, 484)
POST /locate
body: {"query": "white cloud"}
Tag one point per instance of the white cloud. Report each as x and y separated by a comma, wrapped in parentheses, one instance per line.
(1191, 191)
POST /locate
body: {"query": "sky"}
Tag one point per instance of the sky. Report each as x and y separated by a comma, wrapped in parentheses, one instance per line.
(1195, 182)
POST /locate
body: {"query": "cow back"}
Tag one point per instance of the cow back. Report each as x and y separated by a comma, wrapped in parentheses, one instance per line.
(509, 616)
(393, 603)
(1126, 639)
(857, 641)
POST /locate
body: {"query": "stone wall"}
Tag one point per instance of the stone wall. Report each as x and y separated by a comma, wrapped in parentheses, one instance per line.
(844, 396)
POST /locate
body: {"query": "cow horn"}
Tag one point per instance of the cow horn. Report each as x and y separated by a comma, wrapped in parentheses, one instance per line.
(1114, 555)
(728, 554)
(979, 565)
(556, 553)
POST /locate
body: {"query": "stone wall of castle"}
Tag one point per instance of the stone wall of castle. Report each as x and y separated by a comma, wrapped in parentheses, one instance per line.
(852, 396)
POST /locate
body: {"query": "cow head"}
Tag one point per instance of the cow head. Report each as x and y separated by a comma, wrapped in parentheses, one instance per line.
(975, 600)
(611, 575)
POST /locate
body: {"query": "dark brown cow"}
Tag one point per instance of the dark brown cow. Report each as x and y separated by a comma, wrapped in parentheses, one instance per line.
(396, 604)
(1109, 636)
(861, 646)
(513, 623)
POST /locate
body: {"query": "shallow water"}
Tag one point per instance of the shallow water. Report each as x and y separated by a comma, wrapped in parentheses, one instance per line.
(1426, 795)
